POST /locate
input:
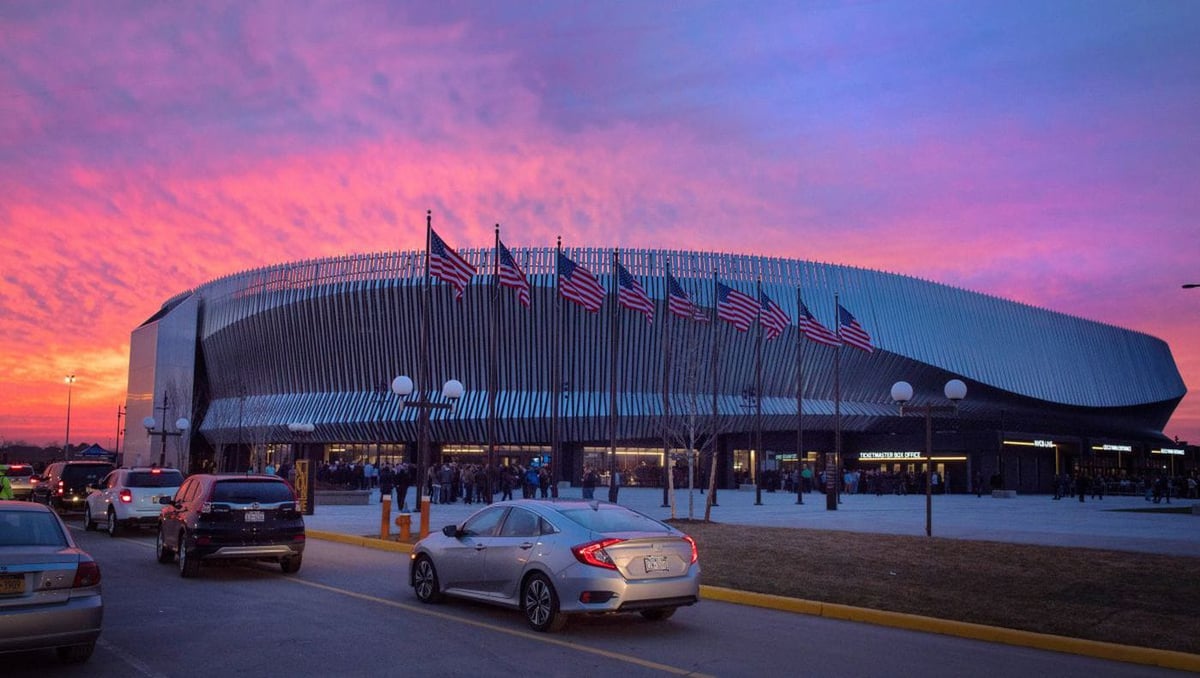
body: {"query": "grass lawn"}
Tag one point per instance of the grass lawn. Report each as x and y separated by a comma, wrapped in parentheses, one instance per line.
(1115, 596)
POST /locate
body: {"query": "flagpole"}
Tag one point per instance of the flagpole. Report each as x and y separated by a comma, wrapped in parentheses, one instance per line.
(757, 451)
(423, 498)
(556, 358)
(666, 384)
(831, 481)
(799, 399)
(716, 382)
(493, 377)
(614, 318)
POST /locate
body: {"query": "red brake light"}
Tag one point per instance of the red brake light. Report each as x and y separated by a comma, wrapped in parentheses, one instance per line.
(87, 574)
(593, 553)
(695, 553)
(126, 496)
(59, 489)
(155, 471)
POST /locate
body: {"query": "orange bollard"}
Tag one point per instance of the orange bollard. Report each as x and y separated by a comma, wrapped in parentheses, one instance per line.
(404, 522)
(385, 527)
(425, 503)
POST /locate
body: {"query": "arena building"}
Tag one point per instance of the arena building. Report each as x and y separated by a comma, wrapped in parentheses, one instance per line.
(318, 342)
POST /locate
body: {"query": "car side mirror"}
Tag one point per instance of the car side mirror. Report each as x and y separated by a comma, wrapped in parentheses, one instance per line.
(450, 531)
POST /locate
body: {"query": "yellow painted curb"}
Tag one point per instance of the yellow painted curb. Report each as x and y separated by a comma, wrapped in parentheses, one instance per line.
(366, 542)
(1091, 648)
(1181, 661)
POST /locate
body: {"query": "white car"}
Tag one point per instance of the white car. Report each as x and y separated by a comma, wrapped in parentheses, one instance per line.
(128, 497)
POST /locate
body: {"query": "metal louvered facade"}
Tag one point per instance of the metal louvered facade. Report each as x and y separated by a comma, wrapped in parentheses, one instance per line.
(316, 341)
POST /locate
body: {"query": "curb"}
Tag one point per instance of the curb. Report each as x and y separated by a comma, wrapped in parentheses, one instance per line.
(1131, 654)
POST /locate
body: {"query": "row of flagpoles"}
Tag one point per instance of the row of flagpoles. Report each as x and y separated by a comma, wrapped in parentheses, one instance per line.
(580, 286)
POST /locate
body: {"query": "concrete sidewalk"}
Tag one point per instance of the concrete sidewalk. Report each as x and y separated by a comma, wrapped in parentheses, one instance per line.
(1034, 519)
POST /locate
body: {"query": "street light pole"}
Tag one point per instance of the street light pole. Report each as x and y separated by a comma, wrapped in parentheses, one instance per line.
(902, 392)
(67, 443)
(452, 390)
(181, 425)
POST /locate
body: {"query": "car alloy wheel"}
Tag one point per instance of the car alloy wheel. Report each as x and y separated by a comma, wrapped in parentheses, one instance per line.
(425, 581)
(164, 554)
(88, 523)
(189, 566)
(540, 603)
(114, 528)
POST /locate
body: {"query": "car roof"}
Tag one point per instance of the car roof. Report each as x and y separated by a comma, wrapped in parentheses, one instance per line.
(31, 506)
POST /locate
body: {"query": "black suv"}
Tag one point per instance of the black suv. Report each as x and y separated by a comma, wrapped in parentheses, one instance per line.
(227, 517)
(65, 484)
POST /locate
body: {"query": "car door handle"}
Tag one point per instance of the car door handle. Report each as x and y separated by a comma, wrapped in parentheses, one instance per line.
(525, 546)
(480, 547)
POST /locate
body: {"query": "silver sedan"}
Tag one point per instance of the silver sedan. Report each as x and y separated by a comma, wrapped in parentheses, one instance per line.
(49, 588)
(552, 559)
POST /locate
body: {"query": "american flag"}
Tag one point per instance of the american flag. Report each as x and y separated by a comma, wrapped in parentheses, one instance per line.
(447, 265)
(579, 285)
(512, 276)
(851, 332)
(678, 301)
(814, 330)
(773, 319)
(735, 307)
(632, 295)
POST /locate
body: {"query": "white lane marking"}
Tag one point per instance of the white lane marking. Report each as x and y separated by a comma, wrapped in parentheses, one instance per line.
(135, 663)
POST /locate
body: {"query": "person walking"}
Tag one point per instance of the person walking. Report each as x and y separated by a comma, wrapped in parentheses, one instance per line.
(6, 491)
(614, 486)
(590, 478)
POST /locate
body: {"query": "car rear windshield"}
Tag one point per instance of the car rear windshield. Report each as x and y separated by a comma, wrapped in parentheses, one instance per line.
(251, 491)
(151, 479)
(18, 471)
(30, 528)
(84, 474)
(613, 520)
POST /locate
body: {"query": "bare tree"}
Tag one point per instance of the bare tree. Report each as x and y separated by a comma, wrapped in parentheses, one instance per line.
(691, 426)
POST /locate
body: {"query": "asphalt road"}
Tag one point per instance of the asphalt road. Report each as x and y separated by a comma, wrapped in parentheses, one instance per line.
(349, 613)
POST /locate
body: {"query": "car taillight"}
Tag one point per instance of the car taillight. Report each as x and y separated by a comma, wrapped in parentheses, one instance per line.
(87, 574)
(59, 487)
(126, 496)
(593, 553)
(695, 553)
(33, 482)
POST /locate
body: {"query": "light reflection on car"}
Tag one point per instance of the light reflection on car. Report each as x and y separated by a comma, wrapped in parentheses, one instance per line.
(555, 559)
(49, 588)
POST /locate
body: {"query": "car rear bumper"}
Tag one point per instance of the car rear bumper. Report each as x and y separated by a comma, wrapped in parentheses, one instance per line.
(254, 551)
(75, 622)
(627, 595)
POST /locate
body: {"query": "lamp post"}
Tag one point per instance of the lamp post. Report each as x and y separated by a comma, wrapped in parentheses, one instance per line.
(120, 415)
(70, 379)
(902, 393)
(751, 401)
(452, 390)
(181, 425)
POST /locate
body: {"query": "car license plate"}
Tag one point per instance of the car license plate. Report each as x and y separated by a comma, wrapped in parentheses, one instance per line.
(12, 584)
(254, 516)
(656, 564)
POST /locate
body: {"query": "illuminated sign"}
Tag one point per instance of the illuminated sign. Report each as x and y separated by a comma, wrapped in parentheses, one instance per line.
(1169, 450)
(1043, 443)
(891, 455)
(1113, 448)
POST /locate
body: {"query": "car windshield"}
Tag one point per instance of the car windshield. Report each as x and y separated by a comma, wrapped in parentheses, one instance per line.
(251, 491)
(613, 520)
(30, 528)
(155, 479)
(18, 471)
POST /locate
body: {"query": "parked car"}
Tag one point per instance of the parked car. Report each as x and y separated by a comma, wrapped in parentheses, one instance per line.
(65, 484)
(553, 559)
(229, 517)
(20, 478)
(49, 587)
(128, 497)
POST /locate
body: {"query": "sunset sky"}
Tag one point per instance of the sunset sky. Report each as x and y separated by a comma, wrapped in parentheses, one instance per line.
(1045, 152)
